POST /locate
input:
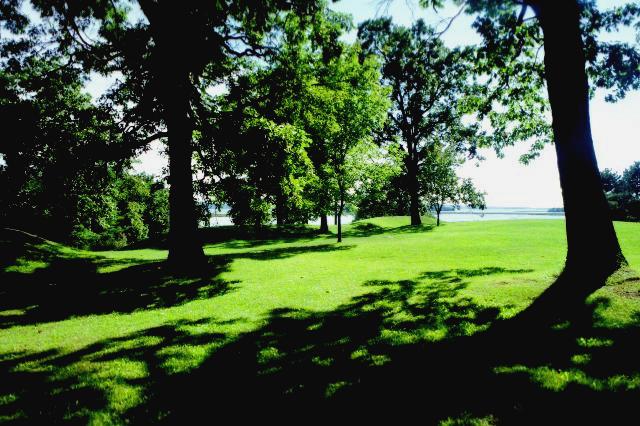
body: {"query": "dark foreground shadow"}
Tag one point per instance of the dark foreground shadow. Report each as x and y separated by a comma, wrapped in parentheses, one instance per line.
(70, 287)
(405, 351)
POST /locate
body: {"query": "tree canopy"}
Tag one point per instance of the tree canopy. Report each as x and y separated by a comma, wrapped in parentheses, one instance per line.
(270, 111)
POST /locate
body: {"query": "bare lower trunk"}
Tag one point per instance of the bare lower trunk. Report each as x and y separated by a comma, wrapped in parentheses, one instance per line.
(340, 209)
(185, 248)
(414, 197)
(591, 238)
(279, 211)
(415, 210)
(324, 224)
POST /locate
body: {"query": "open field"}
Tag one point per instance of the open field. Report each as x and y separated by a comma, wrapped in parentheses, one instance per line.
(393, 318)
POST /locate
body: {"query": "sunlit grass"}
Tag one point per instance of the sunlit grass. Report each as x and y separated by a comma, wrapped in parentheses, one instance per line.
(399, 286)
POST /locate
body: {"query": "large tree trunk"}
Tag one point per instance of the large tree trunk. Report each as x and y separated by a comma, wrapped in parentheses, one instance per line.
(414, 197)
(324, 223)
(173, 88)
(591, 238)
(185, 247)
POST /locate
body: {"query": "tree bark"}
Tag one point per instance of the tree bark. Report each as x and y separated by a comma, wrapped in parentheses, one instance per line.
(173, 87)
(414, 197)
(280, 211)
(340, 209)
(185, 247)
(324, 223)
(438, 216)
(591, 238)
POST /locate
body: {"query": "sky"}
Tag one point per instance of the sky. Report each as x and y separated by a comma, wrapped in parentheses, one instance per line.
(506, 182)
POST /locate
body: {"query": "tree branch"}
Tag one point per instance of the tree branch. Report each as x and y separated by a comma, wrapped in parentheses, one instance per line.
(453, 18)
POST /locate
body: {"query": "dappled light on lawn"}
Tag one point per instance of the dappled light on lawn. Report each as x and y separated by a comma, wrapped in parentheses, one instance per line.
(113, 337)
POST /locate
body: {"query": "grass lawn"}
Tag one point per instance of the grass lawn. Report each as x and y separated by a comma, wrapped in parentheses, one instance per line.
(393, 320)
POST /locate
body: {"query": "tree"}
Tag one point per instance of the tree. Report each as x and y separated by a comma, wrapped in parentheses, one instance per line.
(261, 144)
(56, 180)
(610, 180)
(53, 179)
(314, 52)
(166, 59)
(378, 188)
(592, 239)
(346, 109)
(427, 82)
(568, 32)
(623, 192)
(630, 180)
(271, 169)
(442, 186)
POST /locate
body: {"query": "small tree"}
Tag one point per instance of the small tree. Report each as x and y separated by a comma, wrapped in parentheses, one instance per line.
(631, 180)
(623, 192)
(378, 189)
(441, 185)
(610, 180)
(428, 82)
(348, 108)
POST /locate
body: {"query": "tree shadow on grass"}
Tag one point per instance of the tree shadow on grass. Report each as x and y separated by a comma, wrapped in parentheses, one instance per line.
(411, 349)
(367, 229)
(242, 236)
(15, 244)
(69, 287)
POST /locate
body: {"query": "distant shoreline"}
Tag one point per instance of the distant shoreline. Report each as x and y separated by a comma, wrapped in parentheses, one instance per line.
(481, 212)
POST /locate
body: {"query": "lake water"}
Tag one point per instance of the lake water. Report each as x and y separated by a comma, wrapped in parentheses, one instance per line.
(462, 215)
(499, 213)
(226, 220)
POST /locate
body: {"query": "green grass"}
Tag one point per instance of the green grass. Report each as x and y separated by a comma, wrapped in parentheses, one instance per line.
(111, 337)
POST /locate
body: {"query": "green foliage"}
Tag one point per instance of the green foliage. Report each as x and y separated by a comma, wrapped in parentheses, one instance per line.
(431, 94)
(346, 109)
(156, 214)
(623, 192)
(261, 146)
(53, 173)
(133, 208)
(66, 155)
(378, 189)
(510, 79)
(427, 83)
(276, 172)
(610, 180)
(631, 180)
(442, 186)
(509, 86)
(279, 147)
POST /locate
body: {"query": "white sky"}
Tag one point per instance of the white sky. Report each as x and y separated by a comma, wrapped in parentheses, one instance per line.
(615, 127)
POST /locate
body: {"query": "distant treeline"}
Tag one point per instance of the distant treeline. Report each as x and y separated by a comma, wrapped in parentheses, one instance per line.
(623, 192)
(90, 210)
